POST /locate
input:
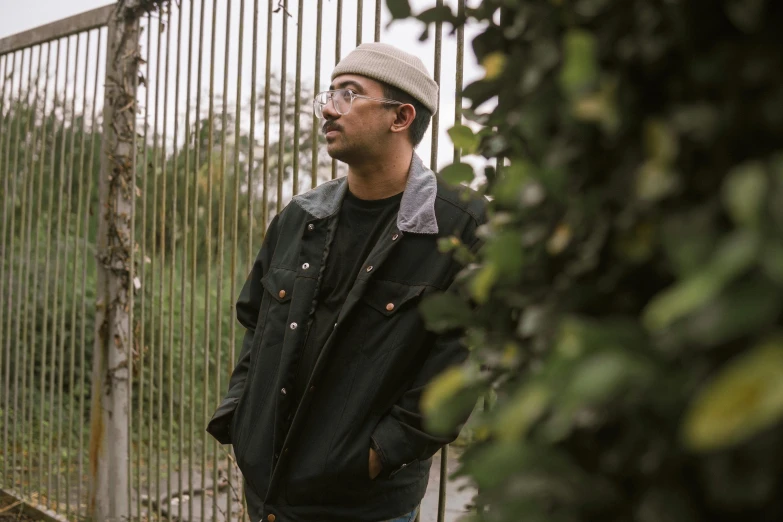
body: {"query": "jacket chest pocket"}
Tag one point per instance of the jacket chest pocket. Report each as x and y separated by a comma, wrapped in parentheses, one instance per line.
(389, 310)
(279, 286)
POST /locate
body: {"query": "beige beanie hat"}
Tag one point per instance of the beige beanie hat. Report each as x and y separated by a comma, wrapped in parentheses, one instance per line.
(386, 63)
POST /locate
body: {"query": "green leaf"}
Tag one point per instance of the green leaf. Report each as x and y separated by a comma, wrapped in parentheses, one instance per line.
(744, 192)
(751, 305)
(399, 8)
(443, 388)
(736, 253)
(482, 283)
(464, 138)
(443, 312)
(493, 64)
(516, 416)
(441, 13)
(579, 72)
(603, 375)
(457, 173)
(745, 397)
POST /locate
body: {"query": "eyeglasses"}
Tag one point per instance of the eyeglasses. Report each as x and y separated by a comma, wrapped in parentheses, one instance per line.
(342, 101)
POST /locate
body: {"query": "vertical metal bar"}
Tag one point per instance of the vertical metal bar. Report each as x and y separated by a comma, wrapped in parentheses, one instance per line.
(235, 234)
(6, 255)
(185, 232)
(72, 347)
(252, 152)
(459, 80)
(3, 134)
(21, 348)
(57, 235)
(94, 132)
(11, 303)
(377, 20)
(197, 169)
(359, 16)
(162, 270)
(297, 96)
(250, 172)
(155, 367)
(114, 252)
(221, 249)
(267, 90)
(143, 270)
(444, 477)
(4, 175)
(337, 56)
(56, 335)
(45, 344)
(208, 274)
(56, 355)
(68, 198)
(172, 263)
(39, 214)
(317, 83)
(24, 254)
(436, 117)
(444, 454)
(29, 326)
(283, 89)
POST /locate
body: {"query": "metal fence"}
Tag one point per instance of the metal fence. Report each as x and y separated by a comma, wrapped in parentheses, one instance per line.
(128, 229)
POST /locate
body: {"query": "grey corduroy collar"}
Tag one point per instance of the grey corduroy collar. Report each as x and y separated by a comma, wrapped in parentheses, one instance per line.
(417, 207)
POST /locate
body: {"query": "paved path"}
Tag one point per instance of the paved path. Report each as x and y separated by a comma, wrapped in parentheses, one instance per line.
(458, 496)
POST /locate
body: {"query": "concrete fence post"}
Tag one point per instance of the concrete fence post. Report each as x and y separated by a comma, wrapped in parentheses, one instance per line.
(110, 412)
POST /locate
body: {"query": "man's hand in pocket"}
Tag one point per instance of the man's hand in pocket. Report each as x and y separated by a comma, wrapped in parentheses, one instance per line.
(375, 464)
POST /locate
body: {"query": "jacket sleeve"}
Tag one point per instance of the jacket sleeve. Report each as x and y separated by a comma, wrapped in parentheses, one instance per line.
(247, 307)
(400, 438)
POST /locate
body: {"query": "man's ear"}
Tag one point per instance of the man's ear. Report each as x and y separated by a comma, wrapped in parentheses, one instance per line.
(406, 113)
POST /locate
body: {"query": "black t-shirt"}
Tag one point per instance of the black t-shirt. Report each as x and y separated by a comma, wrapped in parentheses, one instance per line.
(359, 225)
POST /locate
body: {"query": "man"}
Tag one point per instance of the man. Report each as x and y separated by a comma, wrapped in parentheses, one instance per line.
(323, 405)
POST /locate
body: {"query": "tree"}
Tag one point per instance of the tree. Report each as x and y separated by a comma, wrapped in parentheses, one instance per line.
(626, 306)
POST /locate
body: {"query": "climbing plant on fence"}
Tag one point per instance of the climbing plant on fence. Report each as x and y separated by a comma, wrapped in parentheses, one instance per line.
(624, 314)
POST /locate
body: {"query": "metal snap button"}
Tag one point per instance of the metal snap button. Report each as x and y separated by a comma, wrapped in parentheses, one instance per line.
(369, 268)
(395, 236)
(281, 294)
(311, 227)
(283, 392)
(293, 326)
(306, 266)
(390, 307)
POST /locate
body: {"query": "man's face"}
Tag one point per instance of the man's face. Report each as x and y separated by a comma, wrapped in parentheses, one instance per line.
(364, 129)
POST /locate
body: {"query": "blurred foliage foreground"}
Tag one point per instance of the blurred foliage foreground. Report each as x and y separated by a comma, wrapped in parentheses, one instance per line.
(624, 316)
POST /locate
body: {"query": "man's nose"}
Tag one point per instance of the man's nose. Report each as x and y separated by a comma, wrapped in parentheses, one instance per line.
(329, 112)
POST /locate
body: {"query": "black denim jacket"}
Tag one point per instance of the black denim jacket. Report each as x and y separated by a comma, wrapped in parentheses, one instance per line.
(309, 462)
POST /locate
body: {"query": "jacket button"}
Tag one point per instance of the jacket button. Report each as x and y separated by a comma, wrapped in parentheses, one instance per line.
(293, 326)
(310, 227)
(312, 389)
(283, 391)
(395, 236)
(281, 294)
(305, 266)
(271, 518)
(390, 307)
(369, 268)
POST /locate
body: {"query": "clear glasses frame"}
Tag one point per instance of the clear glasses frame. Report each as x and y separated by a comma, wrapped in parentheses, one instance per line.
(342, 101)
